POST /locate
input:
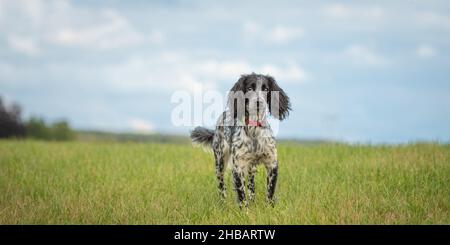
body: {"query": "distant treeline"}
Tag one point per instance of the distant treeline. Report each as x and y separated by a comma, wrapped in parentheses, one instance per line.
(131, 137)
(37, 128)
(10, 121)
(12, 125)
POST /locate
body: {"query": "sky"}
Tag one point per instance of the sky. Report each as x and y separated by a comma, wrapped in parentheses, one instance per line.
(356, 71)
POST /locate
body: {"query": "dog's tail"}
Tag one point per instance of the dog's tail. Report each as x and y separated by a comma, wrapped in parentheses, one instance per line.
(202, 136)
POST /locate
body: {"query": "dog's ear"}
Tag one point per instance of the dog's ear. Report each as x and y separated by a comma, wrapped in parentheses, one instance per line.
(279, 104)
(236, 99)
(240, 84)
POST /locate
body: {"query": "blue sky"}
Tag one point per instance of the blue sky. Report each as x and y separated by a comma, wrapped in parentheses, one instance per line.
(356, 71)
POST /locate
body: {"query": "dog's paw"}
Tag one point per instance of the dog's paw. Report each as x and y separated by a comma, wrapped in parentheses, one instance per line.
(223, 195)
(272, 201)
(251, 198)
(243, 204)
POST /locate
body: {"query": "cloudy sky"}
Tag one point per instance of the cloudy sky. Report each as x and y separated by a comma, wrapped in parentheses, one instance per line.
(357, 71)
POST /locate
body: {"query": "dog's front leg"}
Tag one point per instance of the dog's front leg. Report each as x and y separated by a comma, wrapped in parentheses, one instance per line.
(251, 183)
(238, 180)
(220, 171)
(272, 176)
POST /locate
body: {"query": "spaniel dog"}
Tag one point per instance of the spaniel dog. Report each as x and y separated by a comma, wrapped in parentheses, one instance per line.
(243, 137)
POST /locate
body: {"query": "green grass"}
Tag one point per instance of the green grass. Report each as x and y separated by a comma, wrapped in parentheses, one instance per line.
(136, 183)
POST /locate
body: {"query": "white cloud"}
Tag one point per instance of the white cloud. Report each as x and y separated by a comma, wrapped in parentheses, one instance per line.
(32, 10)
(141, 126)
(341, 11)
(113, 31)
(362, 55)
(282, 34)
(433, 19)
(252, 28)
(426, 51)
(157, 37)
(155, 74)
(279, 34)
(1, 11)
(291, 73)
(25, 45)
(222, 69)
(171, 71)
(337, 10)
(229, 70)
(61, 23)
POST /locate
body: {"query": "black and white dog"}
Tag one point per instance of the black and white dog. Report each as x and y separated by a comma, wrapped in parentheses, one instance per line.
(243, 137)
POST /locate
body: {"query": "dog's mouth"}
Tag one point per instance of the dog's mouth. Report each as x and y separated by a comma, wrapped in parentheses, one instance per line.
(257, 111)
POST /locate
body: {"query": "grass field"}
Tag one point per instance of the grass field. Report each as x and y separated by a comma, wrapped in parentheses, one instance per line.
(138, 183)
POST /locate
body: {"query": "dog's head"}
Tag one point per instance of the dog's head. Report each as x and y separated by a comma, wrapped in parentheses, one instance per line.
(254, 94)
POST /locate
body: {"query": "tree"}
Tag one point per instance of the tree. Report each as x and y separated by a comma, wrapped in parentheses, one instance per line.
(10, 121)
(59, 130)
(11, 125)
(62, 131)
(37, 129)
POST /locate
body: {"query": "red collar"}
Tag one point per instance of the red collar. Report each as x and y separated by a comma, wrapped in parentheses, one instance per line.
(250, 122)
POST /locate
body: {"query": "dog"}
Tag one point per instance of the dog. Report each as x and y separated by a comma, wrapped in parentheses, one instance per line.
(243, 138)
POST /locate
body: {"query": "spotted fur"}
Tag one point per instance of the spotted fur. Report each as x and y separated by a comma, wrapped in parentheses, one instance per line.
(242, 145)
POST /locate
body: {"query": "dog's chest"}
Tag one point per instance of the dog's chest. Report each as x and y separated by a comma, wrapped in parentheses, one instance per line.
(254, 143)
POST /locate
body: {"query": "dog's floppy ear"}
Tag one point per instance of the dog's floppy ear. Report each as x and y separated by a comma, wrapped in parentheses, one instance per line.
(236, 97)
(240, 84)
(279, 104)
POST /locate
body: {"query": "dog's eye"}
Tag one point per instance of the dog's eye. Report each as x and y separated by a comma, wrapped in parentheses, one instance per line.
(249, 89)
(266, 89)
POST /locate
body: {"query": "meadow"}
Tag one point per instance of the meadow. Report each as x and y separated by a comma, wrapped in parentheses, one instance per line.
(152, 183)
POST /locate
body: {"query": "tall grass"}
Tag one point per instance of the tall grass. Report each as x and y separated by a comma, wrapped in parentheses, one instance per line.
(132, 183)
